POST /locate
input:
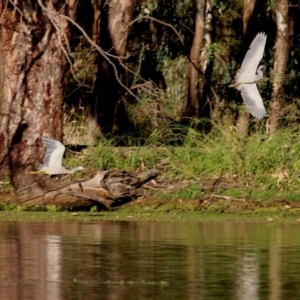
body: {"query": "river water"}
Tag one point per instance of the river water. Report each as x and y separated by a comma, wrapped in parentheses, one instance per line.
(149, 260)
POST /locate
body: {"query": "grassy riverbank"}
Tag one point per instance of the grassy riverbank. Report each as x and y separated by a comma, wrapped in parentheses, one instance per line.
(258, 167)
(169, 213)
(214, 174)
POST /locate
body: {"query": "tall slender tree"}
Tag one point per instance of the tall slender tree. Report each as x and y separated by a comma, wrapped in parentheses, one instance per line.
(244, 115)
(282, 50)
(191, 105)
(114, 20)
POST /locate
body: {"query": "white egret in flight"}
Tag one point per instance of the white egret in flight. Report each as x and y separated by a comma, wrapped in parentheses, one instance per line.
(249, 73)
(53, 159)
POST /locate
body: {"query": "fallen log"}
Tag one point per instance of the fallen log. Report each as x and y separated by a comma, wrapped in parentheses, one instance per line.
(105, 190)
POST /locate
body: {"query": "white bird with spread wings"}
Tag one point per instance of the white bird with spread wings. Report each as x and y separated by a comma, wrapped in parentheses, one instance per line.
(53, 159)
(249, 74)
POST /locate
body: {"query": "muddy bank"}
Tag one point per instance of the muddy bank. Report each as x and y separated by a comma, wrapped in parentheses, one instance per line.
(146, 209)
(185, 200)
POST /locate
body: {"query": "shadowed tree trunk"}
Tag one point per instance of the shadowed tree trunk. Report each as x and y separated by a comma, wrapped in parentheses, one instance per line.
(114, 20)
(34, 41)
(98, 6)
(282, 50)
(92, 120)
(191, 105)
(249, 6)
(243, 118)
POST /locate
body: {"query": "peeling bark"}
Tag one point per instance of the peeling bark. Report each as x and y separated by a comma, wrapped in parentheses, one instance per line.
(206, 63)
(32, 68)
(282, 50)
(207, 38)
(120, 16)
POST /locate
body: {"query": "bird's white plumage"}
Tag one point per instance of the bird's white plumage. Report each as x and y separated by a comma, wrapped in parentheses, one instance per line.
(254, 54)
(249, 73)
(253, 100)
(54, 153)
(53, 159)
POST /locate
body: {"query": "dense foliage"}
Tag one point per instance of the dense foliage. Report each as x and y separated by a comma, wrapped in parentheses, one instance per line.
(157, 50)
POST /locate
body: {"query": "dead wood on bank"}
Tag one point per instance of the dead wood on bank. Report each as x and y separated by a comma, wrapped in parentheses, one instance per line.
(106, 189)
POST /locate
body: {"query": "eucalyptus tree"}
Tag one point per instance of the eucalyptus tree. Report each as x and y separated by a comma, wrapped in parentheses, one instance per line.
(282, 51)
(34, 52)
(36, 49)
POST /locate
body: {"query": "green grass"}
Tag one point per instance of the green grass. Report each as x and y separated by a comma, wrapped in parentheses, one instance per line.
(169, 215)
(257, 167)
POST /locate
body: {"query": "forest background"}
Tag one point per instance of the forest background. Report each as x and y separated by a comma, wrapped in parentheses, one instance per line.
(152, 74)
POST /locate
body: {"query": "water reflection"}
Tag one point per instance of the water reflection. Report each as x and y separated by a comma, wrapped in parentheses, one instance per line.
(247, 274)
(149, 260)
(53, 266)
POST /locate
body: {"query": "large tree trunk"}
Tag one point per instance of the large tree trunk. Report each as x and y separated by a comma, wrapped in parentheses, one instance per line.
(107, 92)
(243, 118)
(191, 105)
(34, 42)
(282, 51)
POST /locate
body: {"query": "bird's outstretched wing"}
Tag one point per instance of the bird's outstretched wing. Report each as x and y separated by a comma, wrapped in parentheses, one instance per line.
(254, 54)
(253, 100)
(54, 153)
